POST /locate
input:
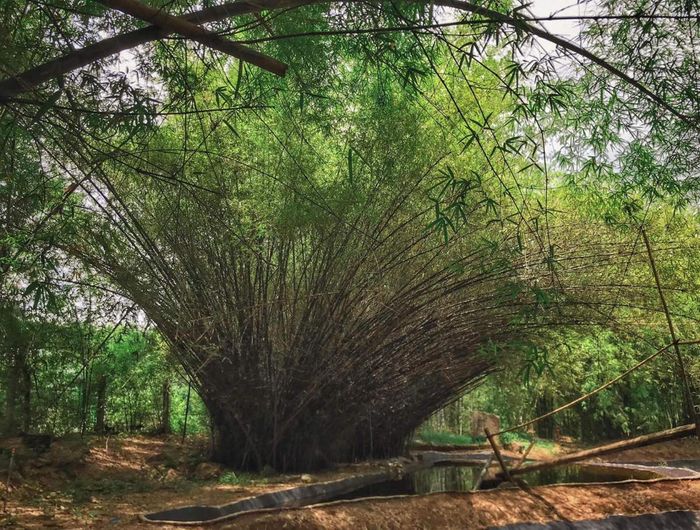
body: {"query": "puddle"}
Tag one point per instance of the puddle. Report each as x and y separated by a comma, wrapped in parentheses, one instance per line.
(429, 474)
(584, 473)
(455, 478)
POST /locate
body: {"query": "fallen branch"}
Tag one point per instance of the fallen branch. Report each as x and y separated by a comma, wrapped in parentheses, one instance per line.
(615, 447)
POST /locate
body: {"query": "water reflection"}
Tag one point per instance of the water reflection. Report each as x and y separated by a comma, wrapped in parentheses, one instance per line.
(445, 478)
(586, 474)
(451, 478)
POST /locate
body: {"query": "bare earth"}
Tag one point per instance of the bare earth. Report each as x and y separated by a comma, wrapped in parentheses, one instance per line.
(83, 484)
(489, 508)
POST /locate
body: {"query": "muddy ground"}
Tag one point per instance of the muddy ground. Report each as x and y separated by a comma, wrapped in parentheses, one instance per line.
(101, 483)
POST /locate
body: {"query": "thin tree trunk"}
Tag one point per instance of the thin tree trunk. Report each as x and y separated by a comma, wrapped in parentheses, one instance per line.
(101, 410)
(18, 394)
(26, 393)
(85, 401)
(545, 427)
(165, 417)
(187, 411)
(12, 382)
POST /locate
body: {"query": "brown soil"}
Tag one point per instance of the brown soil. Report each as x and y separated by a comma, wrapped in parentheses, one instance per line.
(94, 484)
(107, 483)
(686, 449)
(484, 509)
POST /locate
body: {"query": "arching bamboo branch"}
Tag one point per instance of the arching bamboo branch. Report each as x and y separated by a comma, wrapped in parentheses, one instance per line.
(34, 77)
(38, 75)
(183, 27)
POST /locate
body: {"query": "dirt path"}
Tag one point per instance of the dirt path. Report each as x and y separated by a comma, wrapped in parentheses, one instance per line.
(484, 509)
(94, 484)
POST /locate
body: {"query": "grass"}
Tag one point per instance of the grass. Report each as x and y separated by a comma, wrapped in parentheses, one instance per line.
(447, 438)
(524, 439)
(237, 479)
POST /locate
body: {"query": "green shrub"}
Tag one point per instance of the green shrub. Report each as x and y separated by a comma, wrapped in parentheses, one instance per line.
(235, 479)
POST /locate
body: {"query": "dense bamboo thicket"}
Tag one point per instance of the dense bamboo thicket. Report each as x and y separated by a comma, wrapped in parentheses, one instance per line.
(335, 338)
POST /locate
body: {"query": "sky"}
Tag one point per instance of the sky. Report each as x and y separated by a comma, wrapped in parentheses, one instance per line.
(563, 28)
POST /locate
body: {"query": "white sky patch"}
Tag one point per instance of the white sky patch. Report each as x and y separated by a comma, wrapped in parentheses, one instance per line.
(569, 29)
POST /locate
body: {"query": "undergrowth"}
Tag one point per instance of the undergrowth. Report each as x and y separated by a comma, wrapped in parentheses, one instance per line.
(449, 438)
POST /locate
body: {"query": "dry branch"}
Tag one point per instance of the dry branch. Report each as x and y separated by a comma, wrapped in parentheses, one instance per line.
(79, 58)
(615, 447)
(183, 27)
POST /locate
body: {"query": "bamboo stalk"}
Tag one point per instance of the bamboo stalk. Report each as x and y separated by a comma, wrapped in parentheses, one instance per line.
(687, 394)
(615, 447)
(192, 31)
(499, 457)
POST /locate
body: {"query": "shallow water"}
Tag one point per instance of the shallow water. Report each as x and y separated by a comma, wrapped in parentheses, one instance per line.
(448, 477)
(585, 474)
(451, 478)
(693, 464)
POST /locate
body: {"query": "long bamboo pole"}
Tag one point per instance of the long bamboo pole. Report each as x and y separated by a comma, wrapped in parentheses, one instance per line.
(600, 388)
(639, 441)
(690, 412)
(184, 27)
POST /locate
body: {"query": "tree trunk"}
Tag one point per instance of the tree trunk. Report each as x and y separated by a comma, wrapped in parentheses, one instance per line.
(18, 394)
(187, 413)
(545, 427)
(165, 416)
(85, 395)
(26, 394)
(12, 383)
(101, 411)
